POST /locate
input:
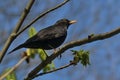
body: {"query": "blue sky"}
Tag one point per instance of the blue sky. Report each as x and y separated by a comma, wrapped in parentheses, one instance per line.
(93, 16)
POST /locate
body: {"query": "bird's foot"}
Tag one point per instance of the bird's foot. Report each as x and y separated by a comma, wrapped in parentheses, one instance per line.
(55, 50)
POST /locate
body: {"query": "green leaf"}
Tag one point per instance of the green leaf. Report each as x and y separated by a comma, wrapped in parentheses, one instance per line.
(31, 52)
(11, 76)
(81, 56)
(49, 67)
(32, 31)
(85, 58)
(42, 54)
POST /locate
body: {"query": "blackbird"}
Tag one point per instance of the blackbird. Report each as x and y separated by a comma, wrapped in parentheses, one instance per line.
(48, 38)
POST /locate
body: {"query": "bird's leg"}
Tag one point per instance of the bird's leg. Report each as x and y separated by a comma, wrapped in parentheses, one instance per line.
(46, 54)
(55, 50)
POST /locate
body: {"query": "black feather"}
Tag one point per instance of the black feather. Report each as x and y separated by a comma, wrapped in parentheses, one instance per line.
(18, 47)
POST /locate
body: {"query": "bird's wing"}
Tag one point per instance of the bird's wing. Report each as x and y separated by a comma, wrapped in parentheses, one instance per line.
(51, 32)
(47, 34)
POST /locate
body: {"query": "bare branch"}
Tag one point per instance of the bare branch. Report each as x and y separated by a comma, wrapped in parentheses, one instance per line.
(13, 34)
(41, 15)
(13, 68)
(72, 44)
(63, 67)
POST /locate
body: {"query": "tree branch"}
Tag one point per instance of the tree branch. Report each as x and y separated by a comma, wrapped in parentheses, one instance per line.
(63, 67)
(18, 26)
(41, 15)
(72, 44)
(13, 68)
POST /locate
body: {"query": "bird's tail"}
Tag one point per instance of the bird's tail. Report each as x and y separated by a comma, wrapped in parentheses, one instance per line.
(18, 47)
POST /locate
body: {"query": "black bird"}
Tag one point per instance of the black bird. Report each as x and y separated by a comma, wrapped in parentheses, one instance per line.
(48, 38)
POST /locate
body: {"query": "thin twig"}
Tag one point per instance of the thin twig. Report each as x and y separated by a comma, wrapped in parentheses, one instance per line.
(63, 67)
(13, 68)
(18, 26)
(41, 15)
(72, 44)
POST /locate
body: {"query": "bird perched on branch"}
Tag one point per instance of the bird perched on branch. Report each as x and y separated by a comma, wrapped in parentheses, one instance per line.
(48, 38)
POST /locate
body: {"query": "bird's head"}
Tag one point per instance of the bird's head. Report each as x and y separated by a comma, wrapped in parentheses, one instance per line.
(65, 22)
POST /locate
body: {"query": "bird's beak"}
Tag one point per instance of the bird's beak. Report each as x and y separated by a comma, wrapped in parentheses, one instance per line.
(72, 21)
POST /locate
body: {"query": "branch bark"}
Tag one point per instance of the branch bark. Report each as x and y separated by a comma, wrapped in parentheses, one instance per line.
(13, 68)
(63, 67)
(18, 26)
(72, 44)
(41, 15)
